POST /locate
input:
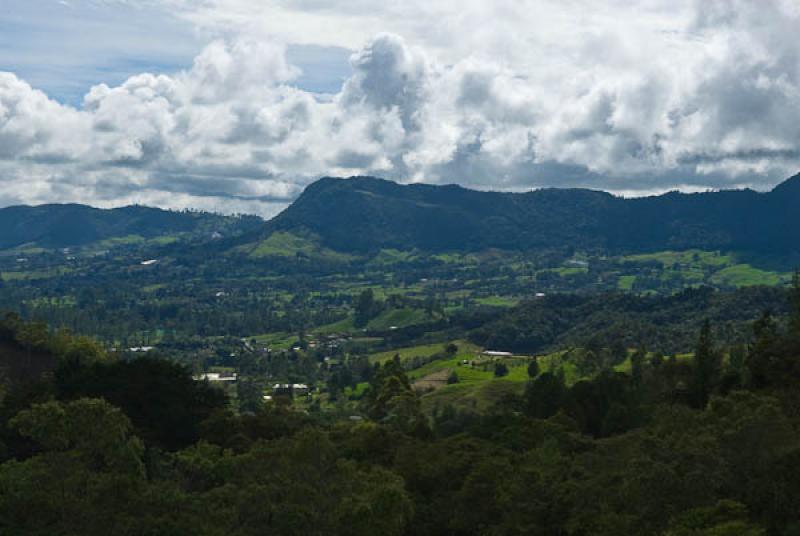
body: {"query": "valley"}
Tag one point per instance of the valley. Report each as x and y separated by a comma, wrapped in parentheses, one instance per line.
(399, 370)
(219, 297)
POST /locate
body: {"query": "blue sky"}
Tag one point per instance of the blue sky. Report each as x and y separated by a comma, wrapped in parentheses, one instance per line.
(65, 47)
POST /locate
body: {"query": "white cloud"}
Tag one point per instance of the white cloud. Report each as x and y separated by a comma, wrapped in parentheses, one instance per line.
(506, 95)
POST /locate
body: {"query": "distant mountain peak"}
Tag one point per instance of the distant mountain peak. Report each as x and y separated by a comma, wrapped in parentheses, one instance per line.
(792, 184)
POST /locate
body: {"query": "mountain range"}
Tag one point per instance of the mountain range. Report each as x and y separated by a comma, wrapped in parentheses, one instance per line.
(70, 225)
(365, 214)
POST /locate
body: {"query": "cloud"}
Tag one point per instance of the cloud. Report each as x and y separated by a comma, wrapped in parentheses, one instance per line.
(508, 95)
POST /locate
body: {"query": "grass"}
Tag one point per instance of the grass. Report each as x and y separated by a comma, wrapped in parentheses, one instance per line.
(342, 326)
(690, 257)
(498, 301)
(276, 341)
(744, 275)
(567, 271)
(399, 318)
(454, 258)
(555, 361)
(121, 241)
(282, 244)
(358, 391)
(154, 287)
(465, 374)
(471, 397)
(33, 274)
(163, 240)
(424, 350)
(24, 249)
(391, 256)
(696, 266)
(55, 301)
(477, 388)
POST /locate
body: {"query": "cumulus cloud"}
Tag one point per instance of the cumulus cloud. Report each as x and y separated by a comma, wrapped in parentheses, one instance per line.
(507, 95)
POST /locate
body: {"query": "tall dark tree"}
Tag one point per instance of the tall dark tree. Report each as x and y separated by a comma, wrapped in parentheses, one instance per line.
(706, 366)
(365, 308)
(543, 396)
(533, 368)
(637, 365)
(794, 324)
(162, 400)
(392, 400)
(760, 355)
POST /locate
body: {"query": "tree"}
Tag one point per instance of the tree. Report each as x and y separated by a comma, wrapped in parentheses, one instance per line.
(736, 358)
(33, 336)
(656, 360)
(726, 518)
(500, 369)
(706, 366)
(543, 396)
(760, 356)
(93, 429)
(618, 352)
(794, 324)
(83, 351)
(733, 374)
(250, 393)
(163, 401)
(390, 399)
(366, 308)
(637, 365)
(533, 368)
(87, 474)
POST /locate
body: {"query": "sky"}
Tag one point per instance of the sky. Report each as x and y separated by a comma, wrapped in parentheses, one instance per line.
(237, 105)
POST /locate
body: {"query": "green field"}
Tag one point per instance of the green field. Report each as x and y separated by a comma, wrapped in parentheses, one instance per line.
(688, 258)
(342, 326)
(397, 318)
(424, 350)
(276, 341)
(282, 244)
(33, 274)
(744, 275)
(498, 301)
(477, 397)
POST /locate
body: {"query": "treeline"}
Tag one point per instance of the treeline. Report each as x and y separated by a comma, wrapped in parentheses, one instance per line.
(666, 324)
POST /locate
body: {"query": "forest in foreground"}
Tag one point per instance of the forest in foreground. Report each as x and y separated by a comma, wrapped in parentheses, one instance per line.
(95, 444)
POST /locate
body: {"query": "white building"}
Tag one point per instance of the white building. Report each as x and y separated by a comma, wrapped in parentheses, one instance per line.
(495, 353)
(217, 376)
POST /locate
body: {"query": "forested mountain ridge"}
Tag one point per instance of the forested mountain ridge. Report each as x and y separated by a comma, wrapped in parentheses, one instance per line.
(363, 214)
(366, 214)
(67, 225)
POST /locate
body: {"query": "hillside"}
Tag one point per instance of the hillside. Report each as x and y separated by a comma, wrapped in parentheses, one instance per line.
(57, 226)
(664, 323)
(364, 214)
